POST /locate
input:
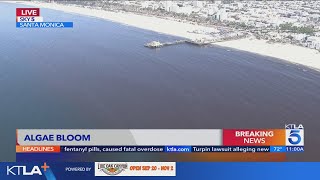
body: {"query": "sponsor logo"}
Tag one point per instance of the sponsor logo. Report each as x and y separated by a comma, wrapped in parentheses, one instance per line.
(112, 169)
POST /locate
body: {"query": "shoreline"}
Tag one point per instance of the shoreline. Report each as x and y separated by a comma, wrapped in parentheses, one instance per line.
(287, 52)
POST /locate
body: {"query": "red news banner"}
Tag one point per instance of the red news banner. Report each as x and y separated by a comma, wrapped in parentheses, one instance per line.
(27, 12)
(254, 137)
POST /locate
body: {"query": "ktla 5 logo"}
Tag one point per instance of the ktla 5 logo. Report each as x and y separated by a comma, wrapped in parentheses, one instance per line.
(25, 171)
(294, 135)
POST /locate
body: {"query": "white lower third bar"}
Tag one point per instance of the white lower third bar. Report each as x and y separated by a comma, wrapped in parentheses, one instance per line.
(119, 137)
(29, 19)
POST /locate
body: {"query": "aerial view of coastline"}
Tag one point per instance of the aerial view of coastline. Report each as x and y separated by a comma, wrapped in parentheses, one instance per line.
(163, 64)
(273, 28)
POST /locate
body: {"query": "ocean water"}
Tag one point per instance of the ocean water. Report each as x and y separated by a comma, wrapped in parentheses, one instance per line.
(99, 75)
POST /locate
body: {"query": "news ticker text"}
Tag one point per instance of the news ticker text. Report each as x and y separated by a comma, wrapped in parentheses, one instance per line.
(161, 149)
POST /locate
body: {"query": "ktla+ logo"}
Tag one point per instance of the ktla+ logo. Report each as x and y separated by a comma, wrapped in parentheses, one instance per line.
(26, 171)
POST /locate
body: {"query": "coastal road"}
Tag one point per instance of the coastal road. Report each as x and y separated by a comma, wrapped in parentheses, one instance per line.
(99, 75)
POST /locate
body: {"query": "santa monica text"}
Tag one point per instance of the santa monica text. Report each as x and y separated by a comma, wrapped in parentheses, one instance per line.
(44, 25)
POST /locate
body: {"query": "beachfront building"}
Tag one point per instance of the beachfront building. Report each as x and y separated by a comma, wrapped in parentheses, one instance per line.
(218, 2)
(155, 6)
(313, 42)
(145, 4)
(187, 10)
(175, 8)
(299, 37)
(314, 17)
(168, 5)
(221, 15)
(198, 4)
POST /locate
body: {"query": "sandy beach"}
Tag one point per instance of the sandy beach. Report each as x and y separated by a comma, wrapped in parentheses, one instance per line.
(287, 52)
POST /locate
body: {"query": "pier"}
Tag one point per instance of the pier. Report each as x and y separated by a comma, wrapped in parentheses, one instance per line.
(198, 42)
(201, 42)
(157, 44)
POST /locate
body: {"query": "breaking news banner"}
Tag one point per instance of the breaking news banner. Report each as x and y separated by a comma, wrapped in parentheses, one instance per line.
(30, 18)
(158, 170)
(44, 144)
